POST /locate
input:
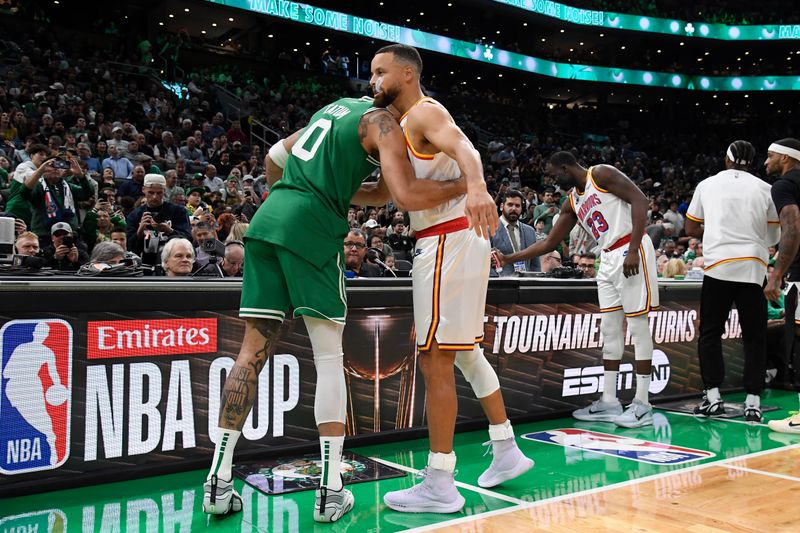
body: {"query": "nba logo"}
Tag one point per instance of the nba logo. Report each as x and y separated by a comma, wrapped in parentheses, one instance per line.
(35, 387)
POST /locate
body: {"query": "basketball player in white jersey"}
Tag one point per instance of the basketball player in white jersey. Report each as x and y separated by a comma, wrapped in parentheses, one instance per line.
(450, 278)
(608, 205)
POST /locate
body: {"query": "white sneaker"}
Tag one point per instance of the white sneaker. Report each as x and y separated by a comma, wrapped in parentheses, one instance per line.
(331, 505)
(599, 411)
(436, 494)
(791, 424)
(220, 498)
(508, 462)
(636, 415)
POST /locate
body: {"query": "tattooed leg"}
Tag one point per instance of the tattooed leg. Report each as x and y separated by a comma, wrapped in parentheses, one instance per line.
(239, 392)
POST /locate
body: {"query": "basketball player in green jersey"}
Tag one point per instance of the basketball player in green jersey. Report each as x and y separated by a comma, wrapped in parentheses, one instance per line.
(294, 260)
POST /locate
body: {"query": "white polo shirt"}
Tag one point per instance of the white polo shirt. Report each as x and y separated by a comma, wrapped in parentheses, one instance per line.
(741, 222)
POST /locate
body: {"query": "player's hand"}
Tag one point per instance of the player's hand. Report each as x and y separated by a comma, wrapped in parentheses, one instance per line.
(773, 289)
(499, 258)
(630, 267)
(481, 212)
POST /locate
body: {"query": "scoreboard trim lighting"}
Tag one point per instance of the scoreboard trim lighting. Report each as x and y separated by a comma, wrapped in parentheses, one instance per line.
(683, 28)
(337, 21)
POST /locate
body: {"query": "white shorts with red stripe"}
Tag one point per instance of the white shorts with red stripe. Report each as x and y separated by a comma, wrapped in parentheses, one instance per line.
(636, 295)
(450, 278)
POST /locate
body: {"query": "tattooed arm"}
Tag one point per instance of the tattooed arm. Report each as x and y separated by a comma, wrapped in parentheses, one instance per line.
(239, 392)
(382, 138)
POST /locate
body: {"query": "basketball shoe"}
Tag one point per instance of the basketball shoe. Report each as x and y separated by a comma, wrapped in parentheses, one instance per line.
(599, 411)
(219, 497)
(331, 505)
(636, 415)
(787, 425)
(436, 494)
(508, 462)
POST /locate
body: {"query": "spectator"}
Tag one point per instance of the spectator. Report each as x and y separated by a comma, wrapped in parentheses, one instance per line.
(92, 164)
(165, 153)
(99, 223)
(547, 210)
(195, 160)
(513, 235)
(355, 251)
(672, 216)
(674, 267)
(27, 244)
(121, 166)
(233, 263)
(156, 218)
(64, 253)
(212, 182)
(108, 252)
(550, 261)
(238, 232)
(401, 244)
(53, 194)
(235, 134)
(118, 236)
(17, 204)
(248, 204)
(177, 258)
(117, 141)
(659, 231)
(204, 237)
(133, 187)
(586, 264)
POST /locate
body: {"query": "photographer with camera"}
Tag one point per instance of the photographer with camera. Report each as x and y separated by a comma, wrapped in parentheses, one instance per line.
(53, 193)
(65, 252)
(155, 221)
(208, 250)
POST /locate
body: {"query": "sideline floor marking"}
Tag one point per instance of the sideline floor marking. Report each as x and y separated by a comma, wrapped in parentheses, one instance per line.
(473, 488)
(703, 419)
(763, 472)
(579, 494)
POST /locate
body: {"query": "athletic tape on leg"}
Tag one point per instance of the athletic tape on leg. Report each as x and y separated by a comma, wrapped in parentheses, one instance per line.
(442, 461)
(613, 338)
(330, 400)
(477, 371)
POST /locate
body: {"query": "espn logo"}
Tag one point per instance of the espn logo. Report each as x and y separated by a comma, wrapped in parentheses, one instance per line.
(589, 380)
(144, 338)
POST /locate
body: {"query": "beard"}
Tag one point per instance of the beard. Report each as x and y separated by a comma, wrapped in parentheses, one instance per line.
(386, 96)
(511, 217)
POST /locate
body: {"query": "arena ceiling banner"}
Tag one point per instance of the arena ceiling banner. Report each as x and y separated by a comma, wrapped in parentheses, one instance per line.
(486, 53)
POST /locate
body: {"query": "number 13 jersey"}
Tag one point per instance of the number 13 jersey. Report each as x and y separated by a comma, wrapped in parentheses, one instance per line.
(605, 216)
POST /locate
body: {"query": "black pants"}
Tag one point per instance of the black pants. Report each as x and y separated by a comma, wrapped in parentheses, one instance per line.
(792, 340)
(715, 304)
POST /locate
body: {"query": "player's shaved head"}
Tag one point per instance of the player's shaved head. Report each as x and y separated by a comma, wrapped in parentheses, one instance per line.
(404, 54)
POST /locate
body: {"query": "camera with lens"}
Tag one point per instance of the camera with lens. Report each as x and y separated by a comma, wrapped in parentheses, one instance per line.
(567, 270)
(68, 241)
(209, 246)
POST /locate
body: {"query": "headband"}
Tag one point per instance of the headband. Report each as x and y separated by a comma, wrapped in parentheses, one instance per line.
(736, 161)
(784, 150)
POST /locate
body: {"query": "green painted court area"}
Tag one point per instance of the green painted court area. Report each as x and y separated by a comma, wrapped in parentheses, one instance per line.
(174, 502)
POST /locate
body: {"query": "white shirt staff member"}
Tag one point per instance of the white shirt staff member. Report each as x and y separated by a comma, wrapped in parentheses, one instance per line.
(734, 215)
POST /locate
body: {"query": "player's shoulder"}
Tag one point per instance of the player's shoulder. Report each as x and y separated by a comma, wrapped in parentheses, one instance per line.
(428, 108)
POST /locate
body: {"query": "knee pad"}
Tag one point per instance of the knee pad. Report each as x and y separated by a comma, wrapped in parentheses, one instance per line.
(477, 371)
(613, 337)
(330, 400)
(639, 326)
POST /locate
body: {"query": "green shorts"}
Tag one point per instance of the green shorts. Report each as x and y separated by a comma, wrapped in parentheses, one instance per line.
(276, 279)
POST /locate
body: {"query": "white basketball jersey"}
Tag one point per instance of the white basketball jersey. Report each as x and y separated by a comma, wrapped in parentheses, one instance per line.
(438, 167)
(605, 216)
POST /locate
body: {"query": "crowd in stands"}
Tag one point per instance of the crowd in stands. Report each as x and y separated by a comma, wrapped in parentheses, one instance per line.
(93, 158)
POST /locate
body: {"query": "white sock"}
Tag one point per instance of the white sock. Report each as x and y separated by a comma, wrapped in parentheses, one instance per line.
(331, 453)
(753, 400)
(713, 395)
(502, 431)
(610, 385)
(223, 454)
(643, 388)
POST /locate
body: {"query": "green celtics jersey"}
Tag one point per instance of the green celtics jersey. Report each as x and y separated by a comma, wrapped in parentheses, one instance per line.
(306, 211)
